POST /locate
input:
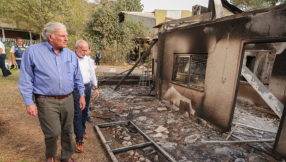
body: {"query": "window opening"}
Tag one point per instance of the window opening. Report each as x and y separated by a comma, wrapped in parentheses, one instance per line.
(190, 70)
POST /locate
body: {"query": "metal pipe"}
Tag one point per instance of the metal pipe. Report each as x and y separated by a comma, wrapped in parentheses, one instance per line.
(123, 149)
(107, 147)
(264, 130)
(104, 125)
(163, 152)
(246, 141)
(231, 132)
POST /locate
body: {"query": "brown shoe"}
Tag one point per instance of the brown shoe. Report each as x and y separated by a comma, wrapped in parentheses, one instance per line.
(79, 146)
(69, 160)
(52, 159)
(85, 136)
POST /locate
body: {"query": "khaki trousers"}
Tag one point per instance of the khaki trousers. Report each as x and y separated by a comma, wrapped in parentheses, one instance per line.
(56, 118)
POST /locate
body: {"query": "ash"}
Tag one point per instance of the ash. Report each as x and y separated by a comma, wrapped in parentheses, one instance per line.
(179, 134)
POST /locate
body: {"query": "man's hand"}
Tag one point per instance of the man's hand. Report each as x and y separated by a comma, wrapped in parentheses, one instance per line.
(96, 93)
(82, 102)
(32, 110)
(13, 62)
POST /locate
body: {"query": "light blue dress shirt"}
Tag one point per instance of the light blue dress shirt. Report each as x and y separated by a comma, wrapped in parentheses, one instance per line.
(46, 73)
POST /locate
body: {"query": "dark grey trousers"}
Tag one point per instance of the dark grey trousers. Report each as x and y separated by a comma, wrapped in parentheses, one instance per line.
(56, 118)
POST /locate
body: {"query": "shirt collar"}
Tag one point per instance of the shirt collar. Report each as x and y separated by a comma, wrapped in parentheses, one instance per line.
(78, 57)
(50, 47)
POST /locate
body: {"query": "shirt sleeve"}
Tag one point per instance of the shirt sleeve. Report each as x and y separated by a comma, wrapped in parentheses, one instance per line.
(2, 47)
(26, 78)
(93, 79)
(78, 81)
(12, 49)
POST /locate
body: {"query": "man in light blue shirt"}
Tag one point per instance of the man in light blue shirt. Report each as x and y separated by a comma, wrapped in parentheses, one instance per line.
(49, 73)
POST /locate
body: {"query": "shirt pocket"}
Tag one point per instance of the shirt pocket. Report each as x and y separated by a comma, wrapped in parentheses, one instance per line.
(70, 69)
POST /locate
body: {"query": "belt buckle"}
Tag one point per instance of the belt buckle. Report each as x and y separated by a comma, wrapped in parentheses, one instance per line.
(56, 97)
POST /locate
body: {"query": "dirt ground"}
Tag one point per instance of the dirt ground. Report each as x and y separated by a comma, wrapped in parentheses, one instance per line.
(21, 137)
(23, 141)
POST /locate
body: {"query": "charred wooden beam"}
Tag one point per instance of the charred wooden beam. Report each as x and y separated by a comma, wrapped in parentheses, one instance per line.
(141, 58)
(263, 91)
(107, 147)
(163, 152)
(149, 143)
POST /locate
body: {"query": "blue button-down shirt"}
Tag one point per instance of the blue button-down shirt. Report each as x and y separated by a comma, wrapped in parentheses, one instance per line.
(46, 73)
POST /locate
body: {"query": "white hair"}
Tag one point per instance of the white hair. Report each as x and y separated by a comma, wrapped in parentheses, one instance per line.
(79, 42)
(50, 28)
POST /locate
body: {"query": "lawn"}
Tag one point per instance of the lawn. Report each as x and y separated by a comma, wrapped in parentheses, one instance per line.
(21, 136)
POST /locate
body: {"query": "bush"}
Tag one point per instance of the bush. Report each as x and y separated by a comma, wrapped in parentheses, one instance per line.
(8, 53)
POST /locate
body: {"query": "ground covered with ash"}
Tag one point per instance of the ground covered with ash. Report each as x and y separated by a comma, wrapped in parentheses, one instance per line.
(180, 135)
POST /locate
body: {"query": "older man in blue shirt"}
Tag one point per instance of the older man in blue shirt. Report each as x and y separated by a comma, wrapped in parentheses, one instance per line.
(49, 74)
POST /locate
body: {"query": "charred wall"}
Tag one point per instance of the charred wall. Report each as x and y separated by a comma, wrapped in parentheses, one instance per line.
(222, 40)
(278, 78)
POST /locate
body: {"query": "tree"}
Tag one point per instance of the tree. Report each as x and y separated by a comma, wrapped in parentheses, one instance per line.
(32, 15)
(129, 5)
(249, 5)
(113, 37)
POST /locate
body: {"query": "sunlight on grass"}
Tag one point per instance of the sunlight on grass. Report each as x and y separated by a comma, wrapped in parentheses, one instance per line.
(10, 97)
(11, 79)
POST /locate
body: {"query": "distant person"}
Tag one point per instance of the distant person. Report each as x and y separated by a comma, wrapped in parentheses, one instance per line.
(5, 71)
(97, 59)
(88, 75)
(50, 72)
(17, 51)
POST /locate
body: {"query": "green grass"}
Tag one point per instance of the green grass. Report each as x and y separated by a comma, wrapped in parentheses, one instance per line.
(14, 78)
(99, 73)
(23, 160)
(8, 53)
(10, 97)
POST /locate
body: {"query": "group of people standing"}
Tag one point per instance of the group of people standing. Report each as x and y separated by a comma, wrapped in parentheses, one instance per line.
(17, 51)
(56, 84)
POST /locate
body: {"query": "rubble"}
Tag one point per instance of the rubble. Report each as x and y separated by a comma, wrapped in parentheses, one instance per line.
(162, 109)
(160, 129)
(191, 139)
(180, 136)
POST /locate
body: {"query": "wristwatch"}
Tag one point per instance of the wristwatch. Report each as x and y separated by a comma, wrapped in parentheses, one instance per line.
(83, 95)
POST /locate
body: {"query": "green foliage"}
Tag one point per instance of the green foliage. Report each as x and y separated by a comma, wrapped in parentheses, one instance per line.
(129, 5)
(8, 53)
(81, 18)
(23, 160)
(249, 5)
(32, 15)
(114, 39)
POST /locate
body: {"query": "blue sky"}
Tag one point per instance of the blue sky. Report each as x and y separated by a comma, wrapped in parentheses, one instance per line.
(151, 5)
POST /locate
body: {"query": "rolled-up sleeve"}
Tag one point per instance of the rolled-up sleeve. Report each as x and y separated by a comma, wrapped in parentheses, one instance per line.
(26, 77)
(78, 81)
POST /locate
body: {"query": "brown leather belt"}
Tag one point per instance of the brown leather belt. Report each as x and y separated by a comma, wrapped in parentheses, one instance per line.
(54, 97)
(86, 84)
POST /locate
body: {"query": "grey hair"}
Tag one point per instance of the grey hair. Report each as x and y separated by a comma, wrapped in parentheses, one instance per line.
(79, 42)
(50, 28)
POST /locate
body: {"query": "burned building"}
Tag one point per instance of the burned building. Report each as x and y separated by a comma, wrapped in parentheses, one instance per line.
(204, 63)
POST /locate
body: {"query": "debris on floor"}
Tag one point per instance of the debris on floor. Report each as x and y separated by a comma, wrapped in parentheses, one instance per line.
(180, 136)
